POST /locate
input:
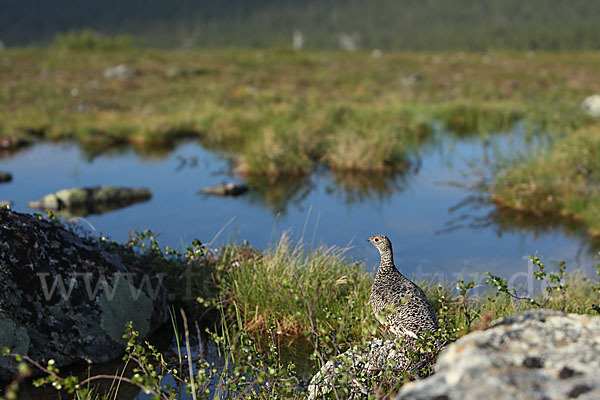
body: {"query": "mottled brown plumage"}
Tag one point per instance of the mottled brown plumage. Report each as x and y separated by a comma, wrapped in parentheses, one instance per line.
(396, 301)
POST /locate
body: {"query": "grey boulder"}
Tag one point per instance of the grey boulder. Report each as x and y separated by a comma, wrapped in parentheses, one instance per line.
(533, 355)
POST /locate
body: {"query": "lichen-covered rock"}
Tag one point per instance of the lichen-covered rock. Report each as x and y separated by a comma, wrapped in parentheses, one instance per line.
(354, 367)
(68, 298)
(374, 364)
(94, 200)
(532, 355)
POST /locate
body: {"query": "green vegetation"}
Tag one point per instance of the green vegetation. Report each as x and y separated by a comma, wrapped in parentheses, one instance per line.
(312, 304)
(561, 180)
(87, 39)
(279, 113)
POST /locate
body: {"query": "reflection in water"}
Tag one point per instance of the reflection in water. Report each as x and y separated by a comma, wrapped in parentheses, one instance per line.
(355, 188)
(91, 151)
(10, 152)
(278, 195)
(360, 187)
(476, 211)
(94, 209)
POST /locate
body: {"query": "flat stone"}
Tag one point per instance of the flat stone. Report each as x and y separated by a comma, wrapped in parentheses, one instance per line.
(230, 189)
(93, 200)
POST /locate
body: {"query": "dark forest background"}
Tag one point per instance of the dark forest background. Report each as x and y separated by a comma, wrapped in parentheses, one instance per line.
(384, 24)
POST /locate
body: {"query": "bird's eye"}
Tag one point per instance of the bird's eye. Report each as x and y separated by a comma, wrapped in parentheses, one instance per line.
(377, 239)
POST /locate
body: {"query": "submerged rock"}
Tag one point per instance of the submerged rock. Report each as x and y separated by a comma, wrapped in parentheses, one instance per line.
(121, 71)
(532, 355)
(5, 177)
(230, 189)
(591, 105)
(94, 200)
(68, 298)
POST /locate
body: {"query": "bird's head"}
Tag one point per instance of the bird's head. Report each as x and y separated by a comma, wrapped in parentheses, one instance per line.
(382, 243)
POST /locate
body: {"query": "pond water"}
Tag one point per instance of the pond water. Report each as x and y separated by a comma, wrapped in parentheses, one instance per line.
(437, 222)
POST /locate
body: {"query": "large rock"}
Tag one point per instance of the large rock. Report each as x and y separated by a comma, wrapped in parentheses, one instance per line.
(532, 355)
(591, 105)
(67, 298)
(93, 200)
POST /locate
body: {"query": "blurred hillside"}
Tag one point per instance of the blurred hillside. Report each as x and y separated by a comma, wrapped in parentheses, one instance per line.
(385, 24)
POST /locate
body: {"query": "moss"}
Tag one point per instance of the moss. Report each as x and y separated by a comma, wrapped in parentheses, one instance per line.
(127, 303)
(15, 338)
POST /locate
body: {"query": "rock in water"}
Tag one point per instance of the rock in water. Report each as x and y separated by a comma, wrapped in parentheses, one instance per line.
(67, 298)
(5, 177)
(591, 105)
(94, 200)
(532, 355)
(230, 189)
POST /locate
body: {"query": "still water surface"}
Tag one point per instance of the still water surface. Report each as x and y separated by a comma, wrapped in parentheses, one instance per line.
(420, 210)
